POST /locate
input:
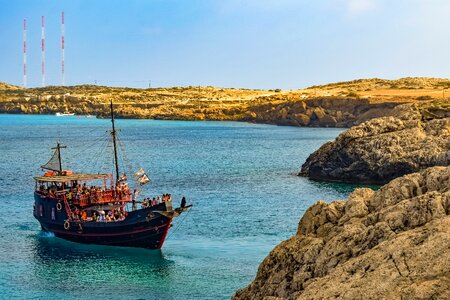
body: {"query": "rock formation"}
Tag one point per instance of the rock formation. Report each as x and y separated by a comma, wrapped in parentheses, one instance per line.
(319, 112)
(390, 244)
(334, 105)
(381, 149)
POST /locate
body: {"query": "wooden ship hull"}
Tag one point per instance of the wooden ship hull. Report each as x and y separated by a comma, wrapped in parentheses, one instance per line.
(143, 228)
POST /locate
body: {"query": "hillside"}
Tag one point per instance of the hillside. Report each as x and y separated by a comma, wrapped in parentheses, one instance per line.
(338, 104)
(5, 87)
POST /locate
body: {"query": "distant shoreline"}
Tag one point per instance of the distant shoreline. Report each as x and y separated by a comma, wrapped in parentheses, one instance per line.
(341, 105)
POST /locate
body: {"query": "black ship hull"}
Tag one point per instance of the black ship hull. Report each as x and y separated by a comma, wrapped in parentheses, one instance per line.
(143, 228)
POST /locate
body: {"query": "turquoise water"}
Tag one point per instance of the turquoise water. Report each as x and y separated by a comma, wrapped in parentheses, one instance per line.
(240, 178)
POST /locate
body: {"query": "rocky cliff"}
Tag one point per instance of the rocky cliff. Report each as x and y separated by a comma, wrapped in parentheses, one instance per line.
(199, 104)
(413, 138)
(319, 112)
(390, 244)
(335, 105)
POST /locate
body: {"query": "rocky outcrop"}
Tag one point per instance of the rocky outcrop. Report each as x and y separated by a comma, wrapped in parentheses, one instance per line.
(196, 104)
(393, 243)
(336, 105)
(319, 112)
(385, 148)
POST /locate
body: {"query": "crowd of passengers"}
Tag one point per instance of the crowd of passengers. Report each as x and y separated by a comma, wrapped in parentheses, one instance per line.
(82, 191)
(149, 202)
(114, 215)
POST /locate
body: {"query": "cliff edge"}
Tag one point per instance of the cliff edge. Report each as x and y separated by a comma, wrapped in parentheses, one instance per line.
(411, 139)
(390, 244)
(342, 104)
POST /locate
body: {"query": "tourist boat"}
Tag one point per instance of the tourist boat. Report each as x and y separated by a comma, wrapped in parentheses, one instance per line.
(64, 114)
(68, 205)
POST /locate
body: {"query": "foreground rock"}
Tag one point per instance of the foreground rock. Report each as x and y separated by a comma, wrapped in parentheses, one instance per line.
(382, 149)
(389, 244)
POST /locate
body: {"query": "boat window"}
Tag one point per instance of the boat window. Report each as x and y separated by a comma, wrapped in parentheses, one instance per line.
(53, 214)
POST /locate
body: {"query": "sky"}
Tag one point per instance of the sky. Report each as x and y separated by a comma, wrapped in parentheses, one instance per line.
(262, 44)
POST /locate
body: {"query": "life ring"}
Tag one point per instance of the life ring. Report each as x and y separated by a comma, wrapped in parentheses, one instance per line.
(59, 206)
(66, 225)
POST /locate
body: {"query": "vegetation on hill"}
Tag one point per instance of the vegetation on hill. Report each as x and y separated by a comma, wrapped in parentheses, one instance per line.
(402, 83)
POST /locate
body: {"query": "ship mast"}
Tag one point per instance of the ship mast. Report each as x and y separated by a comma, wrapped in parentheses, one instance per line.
(113, 133)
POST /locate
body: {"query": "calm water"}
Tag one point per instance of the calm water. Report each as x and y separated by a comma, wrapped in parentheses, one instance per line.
(240, 178)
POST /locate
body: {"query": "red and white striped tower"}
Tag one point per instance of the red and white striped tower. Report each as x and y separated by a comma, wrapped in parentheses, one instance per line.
(62, 49)
(24, 52)
(43, 51)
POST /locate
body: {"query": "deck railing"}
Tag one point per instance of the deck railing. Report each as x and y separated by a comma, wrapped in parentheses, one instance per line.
(99, 197)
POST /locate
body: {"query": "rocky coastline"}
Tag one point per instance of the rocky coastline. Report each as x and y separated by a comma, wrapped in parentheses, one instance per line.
(393, 243)
(342, 104)
(318, 112)
(387, 244)
(379, 150)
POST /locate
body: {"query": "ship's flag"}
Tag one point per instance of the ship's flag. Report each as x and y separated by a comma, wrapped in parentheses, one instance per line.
(141, 177)
(139, 173)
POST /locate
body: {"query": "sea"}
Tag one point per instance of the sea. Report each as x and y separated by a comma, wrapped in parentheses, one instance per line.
(241, 179)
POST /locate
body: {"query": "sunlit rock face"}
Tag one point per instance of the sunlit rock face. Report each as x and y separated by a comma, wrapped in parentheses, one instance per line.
(390, 244)
(382, 149)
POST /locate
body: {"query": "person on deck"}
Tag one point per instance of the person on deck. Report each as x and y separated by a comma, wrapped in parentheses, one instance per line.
(133, 199)
(183, 202)
(69, 197)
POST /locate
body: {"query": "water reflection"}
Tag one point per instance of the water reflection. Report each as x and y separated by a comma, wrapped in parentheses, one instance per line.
(49, 247)
(51, 253)
(64, 267)
(339, 187)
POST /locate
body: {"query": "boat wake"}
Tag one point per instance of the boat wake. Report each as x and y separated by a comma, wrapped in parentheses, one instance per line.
(46, 234)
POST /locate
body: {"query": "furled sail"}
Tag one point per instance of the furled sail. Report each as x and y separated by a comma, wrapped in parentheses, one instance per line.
(53, 164)
(141, 177)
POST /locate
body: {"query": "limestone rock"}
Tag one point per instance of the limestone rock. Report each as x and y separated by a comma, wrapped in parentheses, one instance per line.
(382, 149)
(390, 244)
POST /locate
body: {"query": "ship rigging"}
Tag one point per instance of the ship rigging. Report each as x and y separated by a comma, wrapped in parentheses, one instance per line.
(99, 208)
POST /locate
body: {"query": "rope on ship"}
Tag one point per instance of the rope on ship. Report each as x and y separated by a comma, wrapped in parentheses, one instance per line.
(178, 225)
(126, 161)
(84, 147)
(97, 158)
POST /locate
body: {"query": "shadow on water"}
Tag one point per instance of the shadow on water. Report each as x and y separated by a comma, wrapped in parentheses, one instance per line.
(341, 188)
(51, 252)
(103, 268)
(47, 247)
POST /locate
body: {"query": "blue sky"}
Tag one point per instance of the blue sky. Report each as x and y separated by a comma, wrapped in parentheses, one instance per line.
(285, 44)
